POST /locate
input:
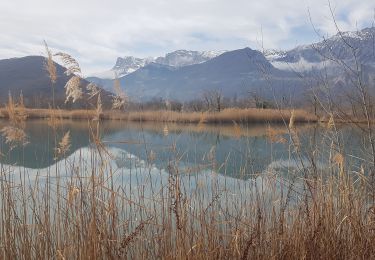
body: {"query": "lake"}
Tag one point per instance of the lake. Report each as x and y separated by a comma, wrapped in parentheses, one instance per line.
(152, 180)
(239, 151)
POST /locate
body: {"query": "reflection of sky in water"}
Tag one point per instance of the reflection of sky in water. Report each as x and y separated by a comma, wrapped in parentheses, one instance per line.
(195, 148)
(142, 181)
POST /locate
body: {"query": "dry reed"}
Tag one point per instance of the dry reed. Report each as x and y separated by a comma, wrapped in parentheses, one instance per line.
(226, 116)
(86, 207)
(90, 218)
(120, 98)
(14, 133)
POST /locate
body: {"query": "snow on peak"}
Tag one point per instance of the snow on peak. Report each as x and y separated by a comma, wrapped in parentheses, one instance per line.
(182, 58)
(273, 54)
(128, 64)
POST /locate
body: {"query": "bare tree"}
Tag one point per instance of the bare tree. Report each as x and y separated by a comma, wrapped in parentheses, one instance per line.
(213, 100)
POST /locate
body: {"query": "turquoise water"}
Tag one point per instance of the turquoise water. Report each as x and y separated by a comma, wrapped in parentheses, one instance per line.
(238, 151)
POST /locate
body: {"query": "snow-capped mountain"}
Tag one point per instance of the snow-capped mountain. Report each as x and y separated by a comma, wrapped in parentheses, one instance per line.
(273, 54)
(179, 58)
(234, 73)
(182, 74)
(129, 64)
(182, 58)
(124, 66)
(324, 53)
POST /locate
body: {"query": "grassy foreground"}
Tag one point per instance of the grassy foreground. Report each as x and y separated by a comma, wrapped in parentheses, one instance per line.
(250, 115)
(87, 207)
(100, 203)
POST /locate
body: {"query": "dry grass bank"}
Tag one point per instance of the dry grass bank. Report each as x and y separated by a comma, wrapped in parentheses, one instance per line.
(101, 204)
(250, 115)
(84, 216)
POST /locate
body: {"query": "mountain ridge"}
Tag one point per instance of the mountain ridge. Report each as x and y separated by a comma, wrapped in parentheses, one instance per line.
(29, 76)
(233, 73)
(324, 53)
(179, 58)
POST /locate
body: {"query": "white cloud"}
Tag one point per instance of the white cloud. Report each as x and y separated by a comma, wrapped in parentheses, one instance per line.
(96, 31)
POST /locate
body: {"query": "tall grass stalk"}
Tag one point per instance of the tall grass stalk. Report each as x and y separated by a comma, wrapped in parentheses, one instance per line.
(87, 206)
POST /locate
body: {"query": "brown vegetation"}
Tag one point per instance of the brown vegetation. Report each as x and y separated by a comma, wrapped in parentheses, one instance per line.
(250, 115)
(79, 213)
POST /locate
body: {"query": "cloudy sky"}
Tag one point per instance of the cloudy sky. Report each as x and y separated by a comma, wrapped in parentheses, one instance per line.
(96, 32)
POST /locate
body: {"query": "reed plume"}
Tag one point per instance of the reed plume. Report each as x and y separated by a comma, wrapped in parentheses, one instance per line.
(120, 98)
(15, 134)
(63, 146)
(99, 108)
(71, 64)
(50, 65)
(73, 89)
(93, 90)
(132, 236)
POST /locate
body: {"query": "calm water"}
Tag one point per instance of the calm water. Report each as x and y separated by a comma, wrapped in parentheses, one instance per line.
(235, 151)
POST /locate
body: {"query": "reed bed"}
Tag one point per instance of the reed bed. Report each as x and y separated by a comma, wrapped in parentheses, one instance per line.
(250, 115)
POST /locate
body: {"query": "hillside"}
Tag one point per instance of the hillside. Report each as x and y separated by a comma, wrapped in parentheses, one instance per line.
(234, 73)
(28, 75)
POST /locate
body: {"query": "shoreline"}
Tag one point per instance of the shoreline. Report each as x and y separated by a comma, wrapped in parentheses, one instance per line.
(230, 115)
